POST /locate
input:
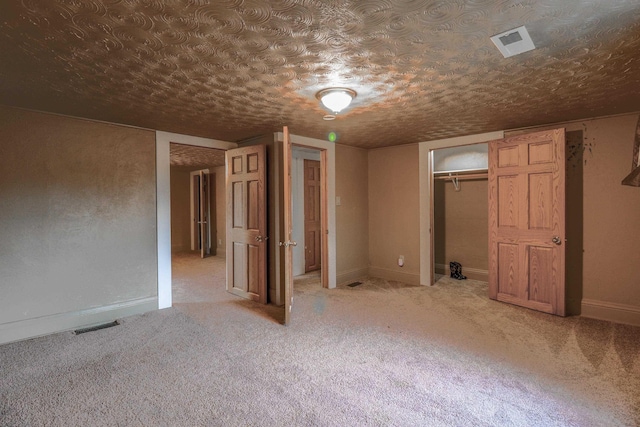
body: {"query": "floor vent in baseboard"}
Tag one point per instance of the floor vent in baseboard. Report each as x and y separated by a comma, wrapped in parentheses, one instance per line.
(96, 328)
(354, 284)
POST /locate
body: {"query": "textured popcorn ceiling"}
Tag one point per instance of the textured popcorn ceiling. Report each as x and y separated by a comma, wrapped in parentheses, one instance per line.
(195, 157)
(234, 69)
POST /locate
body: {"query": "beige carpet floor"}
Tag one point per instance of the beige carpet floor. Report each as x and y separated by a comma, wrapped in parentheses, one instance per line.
(379, 354)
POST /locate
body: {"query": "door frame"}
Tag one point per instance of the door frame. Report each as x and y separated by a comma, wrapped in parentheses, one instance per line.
(323, 216)
(425, 167)
(285, 236)
(328, 202)
(299, 156)
(163, 203)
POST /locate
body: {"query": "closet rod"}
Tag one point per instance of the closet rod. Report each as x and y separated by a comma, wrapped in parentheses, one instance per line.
(461, 177)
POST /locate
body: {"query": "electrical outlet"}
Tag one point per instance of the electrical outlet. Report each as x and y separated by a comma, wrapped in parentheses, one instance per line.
(219, 242)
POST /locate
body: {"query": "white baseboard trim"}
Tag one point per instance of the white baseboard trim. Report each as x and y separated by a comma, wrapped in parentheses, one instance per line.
(470, 272)
(45, 325)
(398, 276)
(613, 312)
(352, 275)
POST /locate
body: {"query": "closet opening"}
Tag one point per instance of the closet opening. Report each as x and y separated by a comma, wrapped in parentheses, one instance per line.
(460, 237)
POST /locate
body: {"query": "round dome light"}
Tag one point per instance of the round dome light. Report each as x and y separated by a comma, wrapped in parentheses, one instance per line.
(336, 99)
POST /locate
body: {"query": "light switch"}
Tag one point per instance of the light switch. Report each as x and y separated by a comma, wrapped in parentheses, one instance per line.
(337, 200)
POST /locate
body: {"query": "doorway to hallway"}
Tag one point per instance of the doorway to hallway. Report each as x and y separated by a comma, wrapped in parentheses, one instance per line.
(197, 222)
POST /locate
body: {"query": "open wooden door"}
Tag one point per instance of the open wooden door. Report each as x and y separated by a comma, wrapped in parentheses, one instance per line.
(527, 221)
(203, 213)
(212, 231)
(205, 237)
(246, 223)
(287, 242)
(312, 222)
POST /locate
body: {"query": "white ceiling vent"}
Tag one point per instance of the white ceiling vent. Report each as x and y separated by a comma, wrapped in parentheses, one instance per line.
(513, 42)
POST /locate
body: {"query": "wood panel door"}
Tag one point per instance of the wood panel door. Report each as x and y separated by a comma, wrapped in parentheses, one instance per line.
(312, 221)
(246, 223)
(527, 221)
(286, 243)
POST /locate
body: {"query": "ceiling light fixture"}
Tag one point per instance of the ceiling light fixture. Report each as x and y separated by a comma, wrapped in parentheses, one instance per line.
(336, 99)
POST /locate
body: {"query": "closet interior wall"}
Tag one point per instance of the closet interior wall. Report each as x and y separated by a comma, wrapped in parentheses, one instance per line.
(461, 226)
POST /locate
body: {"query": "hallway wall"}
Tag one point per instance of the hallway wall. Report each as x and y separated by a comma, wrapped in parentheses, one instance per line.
(180, 210)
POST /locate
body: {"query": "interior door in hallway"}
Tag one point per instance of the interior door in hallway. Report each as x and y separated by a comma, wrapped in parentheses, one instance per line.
(527, 221)
(286, 243)
(312, 223)
(246, 223)
(206, 205)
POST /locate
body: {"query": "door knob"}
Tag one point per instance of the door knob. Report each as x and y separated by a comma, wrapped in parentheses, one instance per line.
(556, 240)
(288, 243)
(261, 239)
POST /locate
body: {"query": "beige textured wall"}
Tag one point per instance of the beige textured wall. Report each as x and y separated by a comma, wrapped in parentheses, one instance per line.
(77, 217)
(352, 219)
(180, 210)
(611, 212)
(461, 226)
(394, 218)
